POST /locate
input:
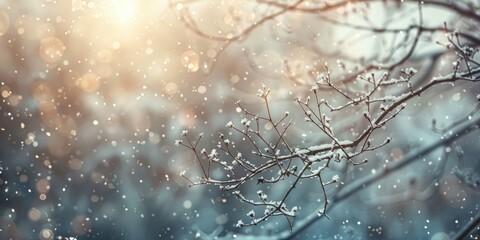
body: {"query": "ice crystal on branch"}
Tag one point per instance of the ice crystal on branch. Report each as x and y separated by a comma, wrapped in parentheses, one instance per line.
(343, 107)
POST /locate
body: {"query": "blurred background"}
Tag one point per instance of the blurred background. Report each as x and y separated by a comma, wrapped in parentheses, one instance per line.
(95, 93)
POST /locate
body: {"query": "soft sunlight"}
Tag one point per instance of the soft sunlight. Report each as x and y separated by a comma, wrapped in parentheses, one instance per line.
(125, 10)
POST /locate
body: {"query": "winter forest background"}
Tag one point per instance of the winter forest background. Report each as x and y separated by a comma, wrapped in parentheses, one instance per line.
(184, 119)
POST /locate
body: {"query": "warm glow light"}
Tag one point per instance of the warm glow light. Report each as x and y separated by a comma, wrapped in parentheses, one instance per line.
(51, 49)
(190, 60)
(125, 9)
(89, 82)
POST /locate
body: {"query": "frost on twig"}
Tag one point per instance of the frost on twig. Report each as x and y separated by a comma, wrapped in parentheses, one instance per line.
(278, 158)
(346, 108)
